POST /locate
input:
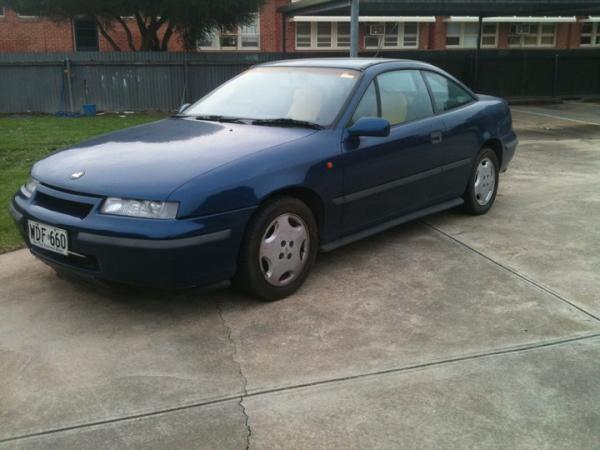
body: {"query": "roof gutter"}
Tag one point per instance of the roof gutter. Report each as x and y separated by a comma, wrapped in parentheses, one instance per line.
(444, 7)
(312, 7)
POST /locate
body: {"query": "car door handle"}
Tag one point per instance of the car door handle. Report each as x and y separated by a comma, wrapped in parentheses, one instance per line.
(436, 137)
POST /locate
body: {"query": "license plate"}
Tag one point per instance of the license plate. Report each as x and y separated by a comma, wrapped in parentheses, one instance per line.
(48, 238)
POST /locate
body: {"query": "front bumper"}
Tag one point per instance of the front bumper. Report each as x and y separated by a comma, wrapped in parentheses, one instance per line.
(158, 253)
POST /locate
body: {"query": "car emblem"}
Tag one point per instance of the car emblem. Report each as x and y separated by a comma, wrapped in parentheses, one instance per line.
(77, 175)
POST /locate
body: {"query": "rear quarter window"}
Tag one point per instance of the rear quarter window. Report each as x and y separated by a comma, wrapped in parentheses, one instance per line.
(446, 93)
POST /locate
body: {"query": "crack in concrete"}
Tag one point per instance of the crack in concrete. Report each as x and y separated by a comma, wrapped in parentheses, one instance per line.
(244, 379)
(258, 393)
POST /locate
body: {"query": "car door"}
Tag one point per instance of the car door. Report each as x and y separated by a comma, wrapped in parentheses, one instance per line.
(456, 107)
(389, 176)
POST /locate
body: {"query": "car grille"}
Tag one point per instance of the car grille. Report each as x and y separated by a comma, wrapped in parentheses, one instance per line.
(61, 205)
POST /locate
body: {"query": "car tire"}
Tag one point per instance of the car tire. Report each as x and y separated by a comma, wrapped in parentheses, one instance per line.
(279, 249)
(483, 183)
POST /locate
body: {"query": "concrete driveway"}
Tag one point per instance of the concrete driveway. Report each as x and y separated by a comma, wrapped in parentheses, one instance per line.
(454, 332)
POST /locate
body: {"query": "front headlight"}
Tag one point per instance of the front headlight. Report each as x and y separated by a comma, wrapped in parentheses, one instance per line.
(140, 208)
(29, 188)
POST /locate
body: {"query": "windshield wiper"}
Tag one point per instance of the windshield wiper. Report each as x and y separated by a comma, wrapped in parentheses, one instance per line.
(285, 121)
(218, 118)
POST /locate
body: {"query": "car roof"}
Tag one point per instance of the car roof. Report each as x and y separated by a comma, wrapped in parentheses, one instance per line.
(344, 63)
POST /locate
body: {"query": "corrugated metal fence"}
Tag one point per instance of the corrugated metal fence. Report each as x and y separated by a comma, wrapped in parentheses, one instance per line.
(37, 82)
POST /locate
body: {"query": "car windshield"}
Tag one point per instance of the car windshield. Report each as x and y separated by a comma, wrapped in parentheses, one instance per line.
(302, 94)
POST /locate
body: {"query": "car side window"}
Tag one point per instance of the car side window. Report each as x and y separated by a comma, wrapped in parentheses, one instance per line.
(404, 96)
(446, 93)
(368, 104)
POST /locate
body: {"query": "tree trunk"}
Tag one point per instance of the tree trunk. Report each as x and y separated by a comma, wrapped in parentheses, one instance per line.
(103, 32)
(127, 32)
(149, 36)
(164, 46)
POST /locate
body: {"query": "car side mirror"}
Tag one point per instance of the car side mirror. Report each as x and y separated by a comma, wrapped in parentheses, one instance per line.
(370, 126)
(183, 107)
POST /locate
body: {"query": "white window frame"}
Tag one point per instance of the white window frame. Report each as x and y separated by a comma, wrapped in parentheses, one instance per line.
(401, 35)
(313, 37)
(216, 39)
(26, 17)
(538, 35)
(462, 33)
(2, 12)
(594, 35)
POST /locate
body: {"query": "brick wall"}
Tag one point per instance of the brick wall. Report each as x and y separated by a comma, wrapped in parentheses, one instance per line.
(503, 29)
(271, 26)
(20, 34)
(25, 34)
(562, 35)
(424, 31)
(438, 34)
(574, 37)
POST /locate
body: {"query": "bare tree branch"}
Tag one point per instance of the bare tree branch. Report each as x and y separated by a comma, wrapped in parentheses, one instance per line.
(141, 23)
(164, 46)
(119, 19)
(103, 32)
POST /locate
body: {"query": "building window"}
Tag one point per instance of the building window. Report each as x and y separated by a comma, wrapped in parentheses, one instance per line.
(249, 35)
(464, 34)
(228, 39)
(532, 35)
(392, 35)
(86, 35)
(590, 34)
(245, 37)
(322, 35)
(343, 35)
(324, 31)
(26, 16)
(1, 11)
(303, 35)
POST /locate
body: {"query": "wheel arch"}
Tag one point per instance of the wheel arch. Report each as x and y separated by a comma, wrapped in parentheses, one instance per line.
(304, 194)
(496, 145)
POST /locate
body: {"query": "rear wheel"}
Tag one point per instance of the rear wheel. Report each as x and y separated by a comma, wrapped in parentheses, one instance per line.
(279, 249)
(483, 184)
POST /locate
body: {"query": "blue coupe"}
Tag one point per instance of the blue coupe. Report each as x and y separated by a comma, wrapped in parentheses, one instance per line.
(250, 182)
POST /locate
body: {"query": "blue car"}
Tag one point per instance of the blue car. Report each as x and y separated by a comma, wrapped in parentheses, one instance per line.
(283, 161)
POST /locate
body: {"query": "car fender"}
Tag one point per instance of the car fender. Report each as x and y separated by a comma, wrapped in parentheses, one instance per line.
(245, 183)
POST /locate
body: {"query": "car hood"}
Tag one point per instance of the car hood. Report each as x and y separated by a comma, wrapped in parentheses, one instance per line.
(152, 160)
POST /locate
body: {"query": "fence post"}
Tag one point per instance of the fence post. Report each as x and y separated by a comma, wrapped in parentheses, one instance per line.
(69, 85)
(478, 51)
(186, 80)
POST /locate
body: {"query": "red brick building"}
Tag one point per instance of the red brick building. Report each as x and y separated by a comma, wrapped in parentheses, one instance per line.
(20, 33)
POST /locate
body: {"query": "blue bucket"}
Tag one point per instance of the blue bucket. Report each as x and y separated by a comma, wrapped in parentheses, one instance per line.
(89, 110)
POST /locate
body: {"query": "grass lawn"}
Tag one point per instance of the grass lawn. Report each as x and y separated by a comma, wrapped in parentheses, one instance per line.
(26, 139)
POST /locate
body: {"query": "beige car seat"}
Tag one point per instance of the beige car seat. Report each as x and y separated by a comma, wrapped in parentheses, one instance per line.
(306, 104)
(394, 106)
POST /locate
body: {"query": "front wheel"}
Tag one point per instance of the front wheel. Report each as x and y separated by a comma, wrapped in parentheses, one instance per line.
(279, 249)
(483, 183)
